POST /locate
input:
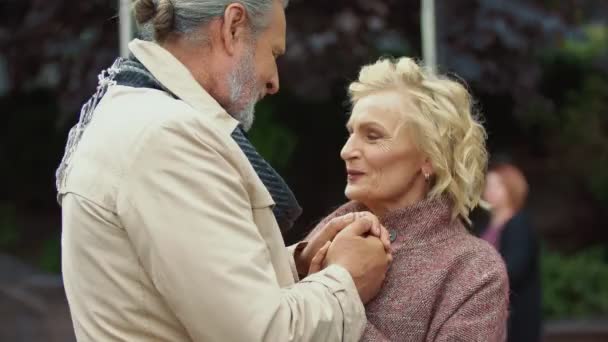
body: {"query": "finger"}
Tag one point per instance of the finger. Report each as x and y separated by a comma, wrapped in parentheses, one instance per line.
(317, 261)
(385, 237)
(360, 227)
(377, 226)
(335, 225)
(375, 229)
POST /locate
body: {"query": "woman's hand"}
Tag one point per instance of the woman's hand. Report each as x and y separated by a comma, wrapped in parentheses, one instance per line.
(316, 264)
(322, 237)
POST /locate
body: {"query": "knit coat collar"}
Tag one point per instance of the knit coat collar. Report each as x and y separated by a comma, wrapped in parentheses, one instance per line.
(425, 222)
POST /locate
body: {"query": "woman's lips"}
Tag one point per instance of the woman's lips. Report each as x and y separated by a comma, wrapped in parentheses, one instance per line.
(354, 175)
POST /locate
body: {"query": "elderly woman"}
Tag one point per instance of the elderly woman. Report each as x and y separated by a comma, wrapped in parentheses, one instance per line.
(416, 158)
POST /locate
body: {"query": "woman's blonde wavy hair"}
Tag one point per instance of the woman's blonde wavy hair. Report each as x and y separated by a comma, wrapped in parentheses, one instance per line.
(446, 129)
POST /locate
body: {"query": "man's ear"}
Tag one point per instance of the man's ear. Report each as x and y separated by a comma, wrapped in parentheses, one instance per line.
(235, 27)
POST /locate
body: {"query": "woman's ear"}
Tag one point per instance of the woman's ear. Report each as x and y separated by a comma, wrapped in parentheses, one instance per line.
(427, 169)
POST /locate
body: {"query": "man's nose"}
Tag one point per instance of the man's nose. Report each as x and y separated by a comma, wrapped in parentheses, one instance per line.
(272, 86)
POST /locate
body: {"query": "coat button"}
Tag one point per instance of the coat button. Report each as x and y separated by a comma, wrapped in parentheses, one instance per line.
(393, 235)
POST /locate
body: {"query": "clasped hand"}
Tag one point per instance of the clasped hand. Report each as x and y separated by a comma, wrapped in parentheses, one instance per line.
(312, 258)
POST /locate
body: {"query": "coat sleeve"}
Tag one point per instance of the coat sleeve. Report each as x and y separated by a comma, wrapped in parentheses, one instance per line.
(189, 217)
(482, 315)
(293, 250)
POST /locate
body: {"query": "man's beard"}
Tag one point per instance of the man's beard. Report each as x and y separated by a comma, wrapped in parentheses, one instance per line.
(243, 94)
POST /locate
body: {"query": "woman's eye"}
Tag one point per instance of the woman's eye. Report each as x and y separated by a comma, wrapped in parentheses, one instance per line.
(373, 136)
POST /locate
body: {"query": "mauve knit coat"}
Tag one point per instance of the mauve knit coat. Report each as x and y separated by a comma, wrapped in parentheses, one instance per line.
(444, 284)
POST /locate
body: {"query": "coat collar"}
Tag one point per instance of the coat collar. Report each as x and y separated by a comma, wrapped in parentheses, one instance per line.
(426, 222)
(173, 75)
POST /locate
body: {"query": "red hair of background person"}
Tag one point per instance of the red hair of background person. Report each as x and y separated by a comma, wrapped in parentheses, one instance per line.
(514, 182)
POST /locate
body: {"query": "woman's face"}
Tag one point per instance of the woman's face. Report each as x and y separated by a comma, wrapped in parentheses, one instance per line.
(384, 167)
(495, 191)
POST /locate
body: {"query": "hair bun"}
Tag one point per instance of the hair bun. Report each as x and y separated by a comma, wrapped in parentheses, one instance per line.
(160, 12)
(145, 10)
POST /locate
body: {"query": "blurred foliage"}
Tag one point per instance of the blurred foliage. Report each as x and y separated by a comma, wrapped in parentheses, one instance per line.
(47, 258)
(273, 140)
(59, 45)
(31, 144)
(574, 286)
(488, 42)
(593, 45)
(585, 125)
(50, 256)
(9, 231)
(572, 118)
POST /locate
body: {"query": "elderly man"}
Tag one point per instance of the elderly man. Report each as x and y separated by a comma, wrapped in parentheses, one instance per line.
(171, 220)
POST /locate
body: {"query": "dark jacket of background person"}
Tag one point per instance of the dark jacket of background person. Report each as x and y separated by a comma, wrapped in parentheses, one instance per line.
(519, 247)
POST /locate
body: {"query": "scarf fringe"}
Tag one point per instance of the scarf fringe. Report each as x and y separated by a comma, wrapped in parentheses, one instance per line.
(105, 81)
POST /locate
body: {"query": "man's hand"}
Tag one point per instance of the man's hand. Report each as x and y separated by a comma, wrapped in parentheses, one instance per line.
(364, 257)
(332, 228)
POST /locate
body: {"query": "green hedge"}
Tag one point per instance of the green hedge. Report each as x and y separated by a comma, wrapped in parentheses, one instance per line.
(575, 286)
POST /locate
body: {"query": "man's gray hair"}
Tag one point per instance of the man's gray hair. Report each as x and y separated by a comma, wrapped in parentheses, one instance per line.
(158, 18)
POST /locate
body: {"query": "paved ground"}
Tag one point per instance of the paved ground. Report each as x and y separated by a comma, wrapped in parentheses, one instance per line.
(32, 305)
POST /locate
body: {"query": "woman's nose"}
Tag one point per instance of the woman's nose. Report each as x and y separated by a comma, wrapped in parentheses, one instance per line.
(349, 150)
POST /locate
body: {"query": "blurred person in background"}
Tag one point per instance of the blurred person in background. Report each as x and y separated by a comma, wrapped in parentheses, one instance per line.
(509, 230)
(416, 158)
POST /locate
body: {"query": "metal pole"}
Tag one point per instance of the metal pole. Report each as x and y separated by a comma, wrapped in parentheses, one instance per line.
(429, 40)
(125, 29)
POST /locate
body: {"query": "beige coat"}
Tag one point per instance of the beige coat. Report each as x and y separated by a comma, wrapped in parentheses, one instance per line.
(169, 235)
